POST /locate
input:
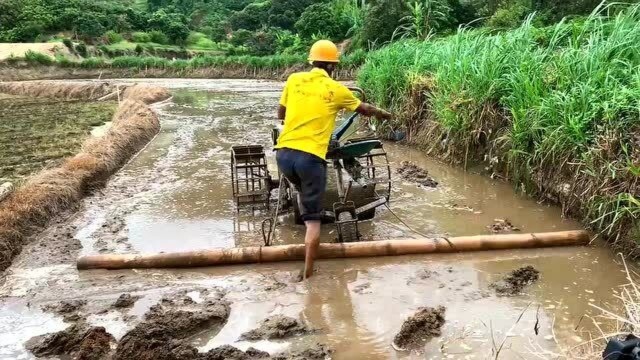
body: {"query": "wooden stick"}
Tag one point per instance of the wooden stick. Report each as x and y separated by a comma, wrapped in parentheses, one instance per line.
(260, 254)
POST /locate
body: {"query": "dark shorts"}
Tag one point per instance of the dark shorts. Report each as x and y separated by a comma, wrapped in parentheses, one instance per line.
(308, 173)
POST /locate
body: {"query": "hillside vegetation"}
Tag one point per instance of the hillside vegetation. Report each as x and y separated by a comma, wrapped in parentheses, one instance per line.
(180, 29)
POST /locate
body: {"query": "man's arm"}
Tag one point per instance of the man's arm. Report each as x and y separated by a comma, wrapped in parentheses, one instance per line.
(282, 111)
(369, 110)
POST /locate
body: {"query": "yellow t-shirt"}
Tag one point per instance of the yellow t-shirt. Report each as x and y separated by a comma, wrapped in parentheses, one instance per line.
(313, 100)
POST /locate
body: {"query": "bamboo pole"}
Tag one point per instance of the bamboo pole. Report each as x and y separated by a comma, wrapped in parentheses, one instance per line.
(260, 254)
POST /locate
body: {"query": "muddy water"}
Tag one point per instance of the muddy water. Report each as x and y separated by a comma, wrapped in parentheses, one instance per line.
(176, 195)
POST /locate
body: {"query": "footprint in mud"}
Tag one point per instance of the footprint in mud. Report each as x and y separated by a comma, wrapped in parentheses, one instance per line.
(362, 288)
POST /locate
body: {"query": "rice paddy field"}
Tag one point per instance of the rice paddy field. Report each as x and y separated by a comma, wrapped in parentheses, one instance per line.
(38, 132)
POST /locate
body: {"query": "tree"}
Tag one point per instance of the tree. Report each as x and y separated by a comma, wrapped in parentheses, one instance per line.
(177, 32)
(320, 18)
(138, 19)
(250, 18)
(285, 13)
(88, 27)
(241, 37)
(382, 20)
(262, 43)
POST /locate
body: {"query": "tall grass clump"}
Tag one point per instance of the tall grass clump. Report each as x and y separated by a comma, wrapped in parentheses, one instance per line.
(555, 110)
(38, 58)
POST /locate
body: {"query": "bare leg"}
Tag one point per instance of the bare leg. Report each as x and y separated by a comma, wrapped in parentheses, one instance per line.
(311, 242)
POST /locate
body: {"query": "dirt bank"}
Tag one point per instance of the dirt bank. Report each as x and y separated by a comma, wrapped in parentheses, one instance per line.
(420, 328)
(52, 191)
(19, 49)
(514, 282)
(19, 72)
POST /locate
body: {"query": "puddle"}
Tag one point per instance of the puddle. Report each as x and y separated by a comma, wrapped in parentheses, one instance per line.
(176, 195)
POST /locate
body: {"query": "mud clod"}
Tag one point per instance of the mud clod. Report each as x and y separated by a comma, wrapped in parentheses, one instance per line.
(125, 301)
(79, 341)
(516, 281)
(502, 225)
(159, 335)
(276, 327)
(67, 309)
(412, 172)
(228, 352)
(315, 352)
(420, 328)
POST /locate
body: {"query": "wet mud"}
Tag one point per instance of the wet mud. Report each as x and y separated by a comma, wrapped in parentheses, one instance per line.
(277, 327)
(413, 173)
(419, 328)
(176, 196)
(79, 341)
(70, 310)
(516, 281)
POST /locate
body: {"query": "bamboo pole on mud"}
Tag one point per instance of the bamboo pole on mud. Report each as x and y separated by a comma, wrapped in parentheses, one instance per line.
(262, 254)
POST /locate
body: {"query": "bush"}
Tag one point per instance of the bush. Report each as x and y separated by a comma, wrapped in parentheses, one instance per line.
(158, 37)
(140, 37)
(38, 58)
(510, 16)
(200, 41)
(68, 43)
(81, 49)
(112, 37)
(92, 63)
(139, 50)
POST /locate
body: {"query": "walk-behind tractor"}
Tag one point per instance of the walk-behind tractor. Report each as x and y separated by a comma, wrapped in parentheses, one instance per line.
(358, 180)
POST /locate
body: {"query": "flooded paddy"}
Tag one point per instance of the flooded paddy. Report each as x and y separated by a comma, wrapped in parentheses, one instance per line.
(176, 196)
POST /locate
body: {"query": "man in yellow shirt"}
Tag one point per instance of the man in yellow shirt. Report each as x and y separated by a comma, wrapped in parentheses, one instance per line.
(309, 105)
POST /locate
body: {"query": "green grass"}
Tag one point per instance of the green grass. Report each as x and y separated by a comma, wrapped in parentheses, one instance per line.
(202, 45)
(275, 62)
(39, 132)
(556, 107)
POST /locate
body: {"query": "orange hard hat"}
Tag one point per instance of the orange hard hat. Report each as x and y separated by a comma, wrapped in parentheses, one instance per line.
(324, 50)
